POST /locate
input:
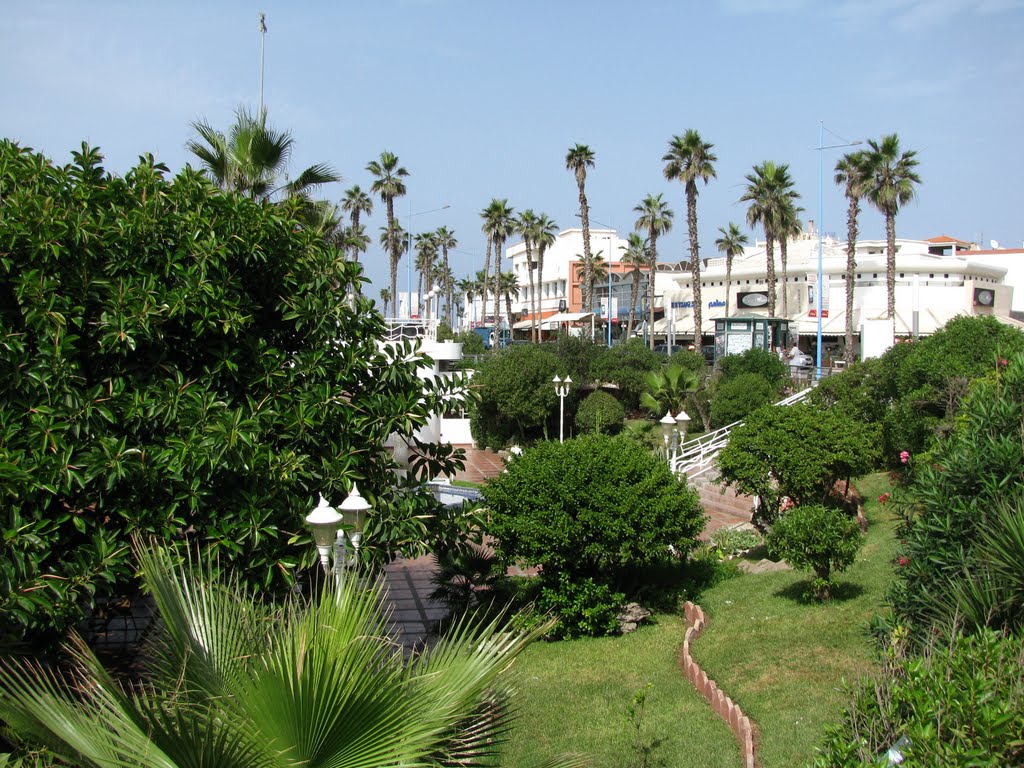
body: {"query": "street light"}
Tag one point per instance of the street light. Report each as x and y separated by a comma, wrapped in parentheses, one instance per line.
(819, 288)
(562, 388)
(329, 527)
(682, 419)
(408, 283)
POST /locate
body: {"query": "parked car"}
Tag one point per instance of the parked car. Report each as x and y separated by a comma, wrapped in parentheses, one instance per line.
(801, 361)
(668, 349)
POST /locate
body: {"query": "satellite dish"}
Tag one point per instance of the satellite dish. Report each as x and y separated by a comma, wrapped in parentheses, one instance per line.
(993, 244)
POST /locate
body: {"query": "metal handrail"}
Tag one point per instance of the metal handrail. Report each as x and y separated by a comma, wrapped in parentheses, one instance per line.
(697, 456)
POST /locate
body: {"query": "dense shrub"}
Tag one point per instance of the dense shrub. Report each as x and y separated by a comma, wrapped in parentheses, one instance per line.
(625, 365)
(762, 362)
(816, 538)
(690, 360)
(734, 398)
(584, 607)
(594, 507)
(951, 497)
(733, 541)
(961, 704)
(516, 396)
(180, 362)
(797, 452)
(600, 412)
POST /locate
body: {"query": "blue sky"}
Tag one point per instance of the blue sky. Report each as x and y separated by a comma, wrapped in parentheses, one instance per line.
(481, 99)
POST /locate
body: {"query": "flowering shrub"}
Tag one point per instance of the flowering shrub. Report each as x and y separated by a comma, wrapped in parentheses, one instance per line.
(904, 457)
(884, 498)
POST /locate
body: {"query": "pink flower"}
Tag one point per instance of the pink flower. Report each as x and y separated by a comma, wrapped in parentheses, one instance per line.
(903, 561)
(884, 498)
(904, 457)
(1003, 362)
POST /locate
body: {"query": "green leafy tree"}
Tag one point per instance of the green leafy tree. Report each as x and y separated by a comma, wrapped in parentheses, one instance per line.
(816, 538)
(594, 508)
(654, 217)
(797, 451)
(689, 160)
(759, 361)
(731, 243)
(324, 687)
(889, 184)
(735, 397)
(176, 362)
(578, 159)
(600, 412)
(516, 396)
(626, 366)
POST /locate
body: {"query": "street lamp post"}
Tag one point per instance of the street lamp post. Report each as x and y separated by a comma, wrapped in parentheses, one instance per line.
(330, 528)
(408, 235)
(819, 288)
(682, 420)
(562, 388)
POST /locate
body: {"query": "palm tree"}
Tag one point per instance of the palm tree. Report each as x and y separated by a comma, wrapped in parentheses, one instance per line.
(387, 185)
(731, 243)
(469, 288)
(578, 159)
(444, 279)
(764, 195)
(444, 238)
(426, 256)
(393, 240)
(666, 390)
(654, 217)
(485, 214)
(635, 256)
(253, 157)
(690, 159)
(787, 225)
(889, 183)
(355, 203)
(850, 173)
(237, 682)
(499, 221)
(526, 225)
(385, 297)
(508, 287)
(544, 237)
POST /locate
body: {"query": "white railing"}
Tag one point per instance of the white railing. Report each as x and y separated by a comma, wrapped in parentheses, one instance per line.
(400, 328)
(697, 456)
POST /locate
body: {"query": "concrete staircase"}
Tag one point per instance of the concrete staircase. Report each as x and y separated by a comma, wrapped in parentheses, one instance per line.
(723, 506)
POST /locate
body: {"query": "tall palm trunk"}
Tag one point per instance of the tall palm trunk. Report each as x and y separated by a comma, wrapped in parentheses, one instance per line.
(393, 243)
(728, 281)
(355, 228)
(533, 294)
(483, 287)
(770, 271)
(508, 308)
(499, 244)
(852, 214)
(691, 223)
(540, 287)
(652, 236)
(783, 255)
(588, 260)
(890, 263)
(634, 294)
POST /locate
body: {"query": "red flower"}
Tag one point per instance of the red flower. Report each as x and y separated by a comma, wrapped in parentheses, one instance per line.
(884, 498)
(1003, 362)
(903, 561)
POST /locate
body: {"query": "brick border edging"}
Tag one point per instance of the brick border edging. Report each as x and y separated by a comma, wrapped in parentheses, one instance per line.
(740, 725)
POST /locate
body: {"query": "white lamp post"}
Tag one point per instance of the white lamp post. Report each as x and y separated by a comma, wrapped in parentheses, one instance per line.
(329, 526)
(562, 388)
(682, 420)
(668, 424)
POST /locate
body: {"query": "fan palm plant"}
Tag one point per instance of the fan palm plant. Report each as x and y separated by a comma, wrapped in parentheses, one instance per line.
(689, 160)
(389, 183)
(731, 243)
(787, 225)
(666, 390)
(850, 174)
(655, 217)
(889, 183)
(578, 159)
(234, 681)
(426, 258)
(763, 194)
(444, 239)
(634, 256)
(526, 225)
(498, 221)
(508, 288)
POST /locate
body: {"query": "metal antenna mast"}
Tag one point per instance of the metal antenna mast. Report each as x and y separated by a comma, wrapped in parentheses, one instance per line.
(263, 48)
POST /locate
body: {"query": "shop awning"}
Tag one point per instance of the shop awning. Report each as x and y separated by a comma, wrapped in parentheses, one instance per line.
(569, 317)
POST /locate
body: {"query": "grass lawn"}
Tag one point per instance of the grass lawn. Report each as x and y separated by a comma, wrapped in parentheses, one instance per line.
(574, 696)
(782, 659)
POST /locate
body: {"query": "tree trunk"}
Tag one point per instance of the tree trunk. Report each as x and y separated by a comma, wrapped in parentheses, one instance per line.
(634, 294)
(783, 256)
(483, 288)
(540, 283)
(890, 263)
(653, 238)
(691, 223)
(851, 267)
(728, 280)
(770, 273)
(533, 294)
(393, 246)
(499, 244)
(355, 228)
(588, 262)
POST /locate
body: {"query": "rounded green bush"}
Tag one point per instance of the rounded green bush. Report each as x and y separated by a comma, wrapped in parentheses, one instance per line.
(816, 538)
(600, 412)
(736, 397)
